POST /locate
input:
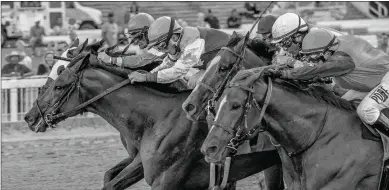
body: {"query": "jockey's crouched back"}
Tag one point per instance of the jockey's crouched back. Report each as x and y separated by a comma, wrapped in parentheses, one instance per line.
(187, 49)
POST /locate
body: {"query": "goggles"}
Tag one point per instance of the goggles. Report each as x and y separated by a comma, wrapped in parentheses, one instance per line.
(139, 34)
(312, 57)
(286, 43)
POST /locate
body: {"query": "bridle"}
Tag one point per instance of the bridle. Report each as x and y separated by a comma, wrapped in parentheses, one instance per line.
(239, 137)
(51, 118)
(235, 68)
(53, 115)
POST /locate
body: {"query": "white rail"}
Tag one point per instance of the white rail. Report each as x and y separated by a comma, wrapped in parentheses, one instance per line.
(18, 96)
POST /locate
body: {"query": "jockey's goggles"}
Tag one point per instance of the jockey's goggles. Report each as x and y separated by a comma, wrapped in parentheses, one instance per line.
(312, 57)
(139, 34)
(286, 43)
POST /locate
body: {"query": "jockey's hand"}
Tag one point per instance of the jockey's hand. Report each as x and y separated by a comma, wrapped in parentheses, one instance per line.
(102, 56)
(273, 73)
(283, 59)
(137, 77)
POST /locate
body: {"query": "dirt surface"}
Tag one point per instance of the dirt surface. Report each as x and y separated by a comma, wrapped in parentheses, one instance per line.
(71, 164)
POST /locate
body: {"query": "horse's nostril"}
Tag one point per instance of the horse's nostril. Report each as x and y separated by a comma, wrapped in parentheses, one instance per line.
(211, 150)
(28, 119)
(189, 107)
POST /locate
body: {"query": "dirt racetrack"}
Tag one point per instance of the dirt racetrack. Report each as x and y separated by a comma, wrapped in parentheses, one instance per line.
(71, 164)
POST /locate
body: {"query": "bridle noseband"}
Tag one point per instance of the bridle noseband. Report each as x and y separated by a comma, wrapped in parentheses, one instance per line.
(241, 125)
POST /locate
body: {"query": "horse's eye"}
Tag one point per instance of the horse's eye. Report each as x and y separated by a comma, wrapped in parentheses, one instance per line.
(223, 69)
(235, 106)
(58, 87)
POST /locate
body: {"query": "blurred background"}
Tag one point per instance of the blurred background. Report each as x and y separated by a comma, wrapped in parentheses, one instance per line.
(31, 29)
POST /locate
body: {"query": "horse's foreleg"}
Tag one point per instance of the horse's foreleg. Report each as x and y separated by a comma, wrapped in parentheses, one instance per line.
(128, 176)
(113, 172)
(274, 178)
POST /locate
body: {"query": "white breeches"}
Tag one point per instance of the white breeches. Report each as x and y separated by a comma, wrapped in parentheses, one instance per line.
(369, 109)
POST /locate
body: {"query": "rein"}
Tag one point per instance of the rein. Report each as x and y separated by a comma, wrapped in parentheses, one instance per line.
(239, 137)
(217, 92)
(51, 117)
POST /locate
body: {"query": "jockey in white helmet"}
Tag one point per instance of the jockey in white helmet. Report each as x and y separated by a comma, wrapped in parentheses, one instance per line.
(288, 32)
(137, 28)
(189, 50)
(356, 66)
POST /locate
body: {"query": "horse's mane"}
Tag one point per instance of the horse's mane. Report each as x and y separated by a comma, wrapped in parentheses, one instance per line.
(235, 39)
(319, 92)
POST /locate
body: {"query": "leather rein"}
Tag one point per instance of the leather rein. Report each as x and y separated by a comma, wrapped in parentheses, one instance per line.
(239, 136)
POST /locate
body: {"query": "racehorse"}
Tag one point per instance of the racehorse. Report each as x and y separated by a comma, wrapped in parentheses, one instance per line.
(74, 50)
(320, 133)
(229, 60)
(150, 120)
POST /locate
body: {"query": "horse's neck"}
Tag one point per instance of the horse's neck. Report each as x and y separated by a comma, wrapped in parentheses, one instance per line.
(129, 109)
(294, 121)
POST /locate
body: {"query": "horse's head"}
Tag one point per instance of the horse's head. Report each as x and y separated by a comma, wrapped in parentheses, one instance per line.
(223, 67)
(52, 93)
(59, 96)
(232, 121)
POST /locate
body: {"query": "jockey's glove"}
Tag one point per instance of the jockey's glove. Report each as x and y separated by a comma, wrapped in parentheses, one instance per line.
(151, 77)
(273, 73)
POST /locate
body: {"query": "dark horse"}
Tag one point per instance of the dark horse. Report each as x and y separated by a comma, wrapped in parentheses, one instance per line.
(232, 58)
(320, 133)
(149, 120)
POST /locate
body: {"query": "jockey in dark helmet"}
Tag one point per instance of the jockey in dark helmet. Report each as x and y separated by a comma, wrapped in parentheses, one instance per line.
(262, 40)
(356, 66)
(187, 49)
(137, 28)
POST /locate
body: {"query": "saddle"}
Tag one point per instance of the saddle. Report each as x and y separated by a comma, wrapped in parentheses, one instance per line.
(379, 133)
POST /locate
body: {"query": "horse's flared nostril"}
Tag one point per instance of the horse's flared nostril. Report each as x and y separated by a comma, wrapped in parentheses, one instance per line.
(189, 108)
(28, 119)
(211, 150)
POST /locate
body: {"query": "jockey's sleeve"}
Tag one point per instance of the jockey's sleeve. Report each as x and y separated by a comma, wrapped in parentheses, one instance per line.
(135, 61)
(166, 63)
(189, 59)
(337, 65)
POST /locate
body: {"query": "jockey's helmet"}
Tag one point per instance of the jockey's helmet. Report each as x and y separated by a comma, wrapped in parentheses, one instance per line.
(265, 24)
(161, 31)
(138, 22)
(317, 42)
(137, 28)
(287, 25)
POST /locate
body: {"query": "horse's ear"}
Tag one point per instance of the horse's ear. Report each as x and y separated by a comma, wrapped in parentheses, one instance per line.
(247, 36)
(75, 43)
(84, 45)
(81, 63)
(234, 34)
(81, 48)
(60, 69)
(96, 46)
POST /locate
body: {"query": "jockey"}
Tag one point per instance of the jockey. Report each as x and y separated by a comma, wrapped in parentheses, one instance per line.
(188, 51)
(137, 28)
(288, 32)
(355, 65)
(264, 34)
